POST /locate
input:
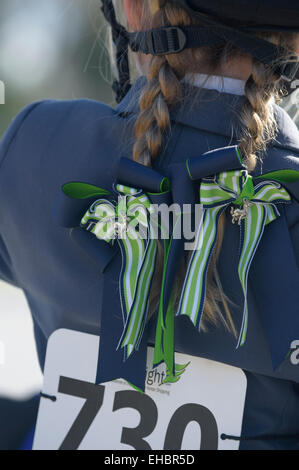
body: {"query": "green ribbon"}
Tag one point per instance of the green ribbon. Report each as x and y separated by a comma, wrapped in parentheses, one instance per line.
(127, 220)
(258, 203)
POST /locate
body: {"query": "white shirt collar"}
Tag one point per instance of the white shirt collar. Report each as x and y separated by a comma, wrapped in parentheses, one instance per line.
(230, 85)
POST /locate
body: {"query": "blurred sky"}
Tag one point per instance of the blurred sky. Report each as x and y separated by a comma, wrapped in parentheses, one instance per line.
(52, 49)
(48, 49)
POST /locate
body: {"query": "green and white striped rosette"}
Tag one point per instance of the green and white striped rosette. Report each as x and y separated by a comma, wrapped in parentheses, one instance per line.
(232, 187)
(128, 221)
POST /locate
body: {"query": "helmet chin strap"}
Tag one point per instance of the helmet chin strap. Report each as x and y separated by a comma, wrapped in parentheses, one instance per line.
(173, 39)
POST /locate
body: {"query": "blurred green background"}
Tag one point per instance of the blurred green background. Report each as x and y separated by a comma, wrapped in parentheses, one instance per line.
(52, 49)
(55, 49)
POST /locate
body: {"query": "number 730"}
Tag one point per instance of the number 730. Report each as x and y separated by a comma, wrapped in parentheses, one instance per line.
(145, 405)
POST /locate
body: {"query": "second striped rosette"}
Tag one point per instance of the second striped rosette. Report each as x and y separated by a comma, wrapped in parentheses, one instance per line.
(259, 209)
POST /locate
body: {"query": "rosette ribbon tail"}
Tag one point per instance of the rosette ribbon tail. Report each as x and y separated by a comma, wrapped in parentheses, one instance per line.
(158, 191)
(138, 246)
(184, 179)
(257, 200)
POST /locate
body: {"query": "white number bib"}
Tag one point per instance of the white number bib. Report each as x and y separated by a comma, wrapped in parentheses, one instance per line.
(191, 414)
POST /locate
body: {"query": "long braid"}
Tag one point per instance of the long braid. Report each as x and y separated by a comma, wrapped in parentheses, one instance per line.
(259, 126)
(257, 117)
(161, 92)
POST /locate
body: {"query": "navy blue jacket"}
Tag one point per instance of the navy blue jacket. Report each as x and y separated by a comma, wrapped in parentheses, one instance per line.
(53, 142)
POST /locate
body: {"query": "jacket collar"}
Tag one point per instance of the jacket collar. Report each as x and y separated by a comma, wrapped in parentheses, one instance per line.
(215, 82)
(195, 107)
